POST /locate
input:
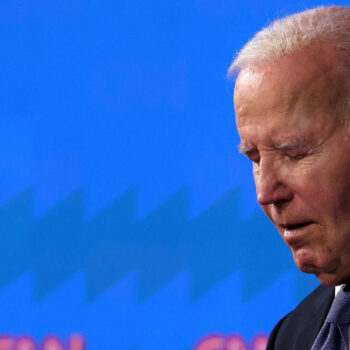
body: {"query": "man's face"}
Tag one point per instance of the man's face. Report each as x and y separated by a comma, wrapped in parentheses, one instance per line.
(287, 118)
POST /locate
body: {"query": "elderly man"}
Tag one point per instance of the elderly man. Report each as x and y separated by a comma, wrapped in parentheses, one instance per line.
(292, 103)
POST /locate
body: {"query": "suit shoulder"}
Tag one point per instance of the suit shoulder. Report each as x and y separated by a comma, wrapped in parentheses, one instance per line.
(299, 328)
(318, 295)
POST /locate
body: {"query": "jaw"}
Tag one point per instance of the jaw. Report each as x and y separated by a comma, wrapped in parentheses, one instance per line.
(329, 272)
(332, 279)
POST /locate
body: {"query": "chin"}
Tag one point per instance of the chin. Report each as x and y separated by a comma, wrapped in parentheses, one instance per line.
(328, 268)
(328, 279)
(332, 279)
(305, 261)
(325, 278)
(325, 274)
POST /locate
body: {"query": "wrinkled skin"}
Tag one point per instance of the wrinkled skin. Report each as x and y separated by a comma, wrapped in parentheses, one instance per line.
(287, 119)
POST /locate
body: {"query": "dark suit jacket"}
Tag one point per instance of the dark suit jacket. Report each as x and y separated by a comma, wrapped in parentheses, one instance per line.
(298, 330)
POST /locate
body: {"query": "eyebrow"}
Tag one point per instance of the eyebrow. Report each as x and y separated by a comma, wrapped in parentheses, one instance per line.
(296, 144)
(245, 149)
(291, 145)
(284, 146)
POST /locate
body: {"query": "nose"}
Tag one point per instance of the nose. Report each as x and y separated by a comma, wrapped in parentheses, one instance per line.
(272, 185)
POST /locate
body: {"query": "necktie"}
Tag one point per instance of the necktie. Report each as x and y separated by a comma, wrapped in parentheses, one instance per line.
(334, 335)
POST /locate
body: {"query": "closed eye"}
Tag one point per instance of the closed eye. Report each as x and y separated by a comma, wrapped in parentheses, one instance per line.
(250, 152)
(295, 157)
(253, 156)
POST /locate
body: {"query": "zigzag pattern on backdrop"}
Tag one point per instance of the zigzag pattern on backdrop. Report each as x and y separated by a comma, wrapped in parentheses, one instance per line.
(159, 247)
(166, 320)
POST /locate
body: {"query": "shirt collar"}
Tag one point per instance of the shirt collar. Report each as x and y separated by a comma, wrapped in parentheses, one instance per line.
(337, 288)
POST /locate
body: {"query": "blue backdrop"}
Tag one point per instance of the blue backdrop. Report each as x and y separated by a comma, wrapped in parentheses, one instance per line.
(128, 219)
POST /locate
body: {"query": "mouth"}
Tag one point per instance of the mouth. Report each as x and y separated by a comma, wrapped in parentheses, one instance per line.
(291, 230)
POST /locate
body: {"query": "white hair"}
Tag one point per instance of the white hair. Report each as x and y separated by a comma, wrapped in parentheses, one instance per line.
(322, 24)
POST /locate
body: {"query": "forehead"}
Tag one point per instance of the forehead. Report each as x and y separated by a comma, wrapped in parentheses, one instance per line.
(304, 84)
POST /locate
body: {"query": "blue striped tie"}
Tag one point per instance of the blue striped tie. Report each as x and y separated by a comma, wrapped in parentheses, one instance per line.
(334, 335)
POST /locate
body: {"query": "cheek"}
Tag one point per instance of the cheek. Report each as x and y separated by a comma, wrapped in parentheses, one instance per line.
(329, 193)
(320, 186)
(327, 202)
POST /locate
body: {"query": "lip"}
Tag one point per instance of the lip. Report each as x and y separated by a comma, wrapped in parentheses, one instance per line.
(294, 231)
